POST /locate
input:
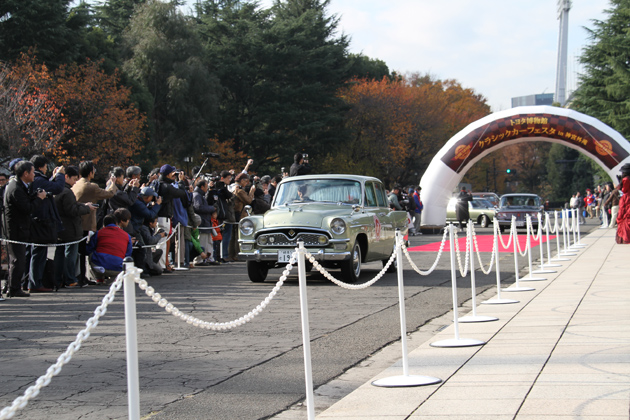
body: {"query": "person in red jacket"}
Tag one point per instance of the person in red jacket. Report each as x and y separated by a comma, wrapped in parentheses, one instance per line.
(623, 217)
(216, 235)
(110, 245)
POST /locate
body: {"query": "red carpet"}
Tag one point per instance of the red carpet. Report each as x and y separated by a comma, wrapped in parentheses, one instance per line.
(484, 242)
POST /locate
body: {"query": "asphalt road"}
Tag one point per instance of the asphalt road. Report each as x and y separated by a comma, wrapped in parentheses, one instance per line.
(252, 372)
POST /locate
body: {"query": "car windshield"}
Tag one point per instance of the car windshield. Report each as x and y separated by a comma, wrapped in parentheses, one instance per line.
(520, 201)
(318, 190)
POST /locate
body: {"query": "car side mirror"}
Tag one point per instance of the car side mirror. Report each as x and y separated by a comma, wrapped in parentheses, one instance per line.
(356, 208)
(248, 210)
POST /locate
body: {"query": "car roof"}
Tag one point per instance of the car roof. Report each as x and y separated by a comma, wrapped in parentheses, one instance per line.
(332, 176)
(519, 195)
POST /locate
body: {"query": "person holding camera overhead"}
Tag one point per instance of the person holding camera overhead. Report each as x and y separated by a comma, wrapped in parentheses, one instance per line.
(300, 165)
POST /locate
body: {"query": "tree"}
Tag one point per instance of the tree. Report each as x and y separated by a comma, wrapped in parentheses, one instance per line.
(106, 126)
(363, 67)
(398, 125)
(50, 26)
(604, 90)
(30, 118)
(163, 53)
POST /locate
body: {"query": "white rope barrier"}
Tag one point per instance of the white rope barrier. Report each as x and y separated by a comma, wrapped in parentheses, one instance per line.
(217, 326)
(437, 259)
(345, 285)
(518, 244)
(494, 251)
(510, 236)
(46, 245)
(463, 271)
(43, 381)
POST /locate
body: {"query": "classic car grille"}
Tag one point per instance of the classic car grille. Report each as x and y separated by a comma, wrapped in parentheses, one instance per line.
(281, 239)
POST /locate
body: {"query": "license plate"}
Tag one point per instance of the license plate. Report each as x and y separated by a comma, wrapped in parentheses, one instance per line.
(284, 255)
(520, 224)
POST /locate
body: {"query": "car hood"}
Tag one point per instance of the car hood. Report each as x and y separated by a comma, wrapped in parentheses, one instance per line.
(305, 215)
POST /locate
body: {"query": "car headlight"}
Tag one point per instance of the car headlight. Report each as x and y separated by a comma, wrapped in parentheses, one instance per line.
(247, 227)
(338, 226)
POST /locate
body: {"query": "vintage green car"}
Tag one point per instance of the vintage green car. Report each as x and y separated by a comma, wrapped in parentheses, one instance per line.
(343, 220)
(481, 211)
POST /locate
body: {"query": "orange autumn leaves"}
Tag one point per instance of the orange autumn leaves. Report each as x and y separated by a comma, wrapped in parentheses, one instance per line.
(398, 126)
(74, 113)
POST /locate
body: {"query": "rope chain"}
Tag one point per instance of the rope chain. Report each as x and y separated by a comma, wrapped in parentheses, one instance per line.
(494, 251)
(44, 380)
(217, 326)
(506, 246)
(47, 245)
(464, 271)
(345, 285)
(415, 267)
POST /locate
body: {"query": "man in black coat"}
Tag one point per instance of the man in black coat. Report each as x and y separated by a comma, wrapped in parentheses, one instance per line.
(19, 205)
(300, 165)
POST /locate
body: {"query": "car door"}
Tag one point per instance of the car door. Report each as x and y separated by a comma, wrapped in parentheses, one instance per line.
(388, 230)
(372, 212)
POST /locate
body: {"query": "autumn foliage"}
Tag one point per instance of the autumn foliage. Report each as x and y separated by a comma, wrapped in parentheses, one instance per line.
(75, 113)
(398, 125)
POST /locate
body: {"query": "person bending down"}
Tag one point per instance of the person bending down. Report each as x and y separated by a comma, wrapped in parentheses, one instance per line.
(110, 245)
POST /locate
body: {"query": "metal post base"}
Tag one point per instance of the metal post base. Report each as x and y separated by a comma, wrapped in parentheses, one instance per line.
(406, 380)
(477, 318)
(518, 289)
(550, 265)
(530, 278)
(567, 254)
(499, 301)
(544, 271)
(458, 342)
(560, 259)
(181, 269)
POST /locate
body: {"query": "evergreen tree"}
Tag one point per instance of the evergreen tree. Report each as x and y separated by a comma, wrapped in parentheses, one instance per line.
(164, 57)
(604, 91)
(49, 26)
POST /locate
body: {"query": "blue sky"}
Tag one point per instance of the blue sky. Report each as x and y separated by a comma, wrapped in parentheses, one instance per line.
(499, 48)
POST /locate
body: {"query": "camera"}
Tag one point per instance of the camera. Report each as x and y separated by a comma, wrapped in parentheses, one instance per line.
(304, 156)
(210, 154)
(282, 170)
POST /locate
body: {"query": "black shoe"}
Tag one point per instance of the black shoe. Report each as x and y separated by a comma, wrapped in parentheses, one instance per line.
(18, 293)
(88, 283)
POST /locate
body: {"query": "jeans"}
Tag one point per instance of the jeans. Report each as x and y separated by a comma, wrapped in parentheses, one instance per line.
(66, 258)
(39, 254)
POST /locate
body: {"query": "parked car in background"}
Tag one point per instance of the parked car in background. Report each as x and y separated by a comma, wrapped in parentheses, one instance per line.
(490, 196)
(481, 211)
(343, 220)
(519, 206)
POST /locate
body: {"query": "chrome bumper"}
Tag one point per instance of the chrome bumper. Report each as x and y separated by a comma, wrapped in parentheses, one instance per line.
(319, 254)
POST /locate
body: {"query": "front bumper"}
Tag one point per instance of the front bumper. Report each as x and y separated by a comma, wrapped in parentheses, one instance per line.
(272, 255)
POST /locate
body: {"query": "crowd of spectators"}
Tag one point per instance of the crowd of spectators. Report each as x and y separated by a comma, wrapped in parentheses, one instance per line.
(167, 219)
(594, 204)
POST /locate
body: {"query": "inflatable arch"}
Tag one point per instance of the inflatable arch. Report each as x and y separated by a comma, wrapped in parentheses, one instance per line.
(586, 134)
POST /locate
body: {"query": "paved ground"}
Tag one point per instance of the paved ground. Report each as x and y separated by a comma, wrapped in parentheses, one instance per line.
(251, 373)
(562, 352)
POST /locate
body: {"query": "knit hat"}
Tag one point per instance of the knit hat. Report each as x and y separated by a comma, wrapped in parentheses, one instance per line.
(167, 169)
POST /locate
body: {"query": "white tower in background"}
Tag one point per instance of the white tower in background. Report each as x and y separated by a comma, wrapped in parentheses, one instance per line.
(561, 70)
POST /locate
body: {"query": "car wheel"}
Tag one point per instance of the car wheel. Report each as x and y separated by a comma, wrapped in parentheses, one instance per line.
(257, 271)
(351, 269)
(484, 221)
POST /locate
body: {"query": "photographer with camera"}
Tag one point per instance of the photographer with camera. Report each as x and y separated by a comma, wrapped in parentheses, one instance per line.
(300, 165)
(46, 220)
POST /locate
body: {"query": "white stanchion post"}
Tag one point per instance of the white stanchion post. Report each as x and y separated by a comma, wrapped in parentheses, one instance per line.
(578, 232)
(517, 287)
(549, 259)
(474, 317)
(576, 227)
(542, 227)
(405, 379)
(558, 249)
(565, 227)
(498, 300)
(529, 277)
(180, 241)
(131, 333)
(457, 341)
(306, 336)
